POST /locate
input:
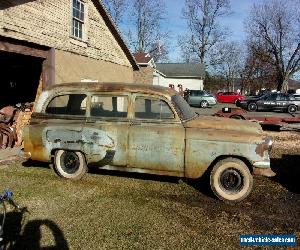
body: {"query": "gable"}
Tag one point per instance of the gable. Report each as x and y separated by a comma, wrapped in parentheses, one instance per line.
(49, 23)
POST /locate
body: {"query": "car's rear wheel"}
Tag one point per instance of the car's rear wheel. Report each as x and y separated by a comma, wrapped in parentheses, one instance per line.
(252, 106)
(231, 180)
(292, 109)
(70, 164)
(203, 104)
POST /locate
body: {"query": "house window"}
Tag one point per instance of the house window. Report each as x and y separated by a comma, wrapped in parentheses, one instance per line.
(78, 18)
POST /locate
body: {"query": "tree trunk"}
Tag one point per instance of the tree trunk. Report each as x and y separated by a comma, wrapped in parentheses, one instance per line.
(280, 81)
(285, 84)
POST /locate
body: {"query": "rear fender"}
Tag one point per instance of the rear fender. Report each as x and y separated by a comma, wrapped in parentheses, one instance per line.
(94, 143)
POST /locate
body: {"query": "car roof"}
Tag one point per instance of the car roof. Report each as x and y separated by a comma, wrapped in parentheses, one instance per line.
(113, 87)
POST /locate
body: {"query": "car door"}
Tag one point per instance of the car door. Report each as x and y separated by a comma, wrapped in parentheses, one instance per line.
(269, 101)
(231, 97)
(194, 97)
(228, 97)
(156, 136)
(108, 123)
(221, 97)
(282, 101)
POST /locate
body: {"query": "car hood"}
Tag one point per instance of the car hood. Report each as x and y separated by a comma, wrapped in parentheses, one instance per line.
(222, 123)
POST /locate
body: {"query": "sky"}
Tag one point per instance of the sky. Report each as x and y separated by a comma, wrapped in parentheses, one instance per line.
(176, 25)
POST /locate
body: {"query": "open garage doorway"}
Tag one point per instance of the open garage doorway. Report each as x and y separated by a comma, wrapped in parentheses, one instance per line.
(19, 78)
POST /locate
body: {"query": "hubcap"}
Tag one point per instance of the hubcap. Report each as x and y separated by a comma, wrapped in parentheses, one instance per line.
(69, 162)
(204, 104)
(252, 106)
(231, 180)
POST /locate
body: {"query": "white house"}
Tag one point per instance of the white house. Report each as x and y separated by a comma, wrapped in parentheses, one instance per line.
(186, 75)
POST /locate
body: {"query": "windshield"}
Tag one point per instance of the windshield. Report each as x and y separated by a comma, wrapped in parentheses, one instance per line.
(183, 108)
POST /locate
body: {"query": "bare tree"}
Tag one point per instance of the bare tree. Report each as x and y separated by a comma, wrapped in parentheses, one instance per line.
(147, 18)
(256, 73)
(187, 49)
(227, 61)
(159, 51)
(273, 31)
(203, 21)
(116, 9)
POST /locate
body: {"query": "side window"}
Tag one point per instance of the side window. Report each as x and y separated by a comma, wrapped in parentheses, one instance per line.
(283, 97)
(199, 93)
(148, 108)
(272, 97)
(109, 106)
(69, 104)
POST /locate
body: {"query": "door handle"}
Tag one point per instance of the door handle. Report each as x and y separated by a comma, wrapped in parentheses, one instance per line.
(135, 123)
(90, 121)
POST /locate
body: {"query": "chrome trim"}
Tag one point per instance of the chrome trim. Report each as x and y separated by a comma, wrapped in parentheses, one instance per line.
(262, 164)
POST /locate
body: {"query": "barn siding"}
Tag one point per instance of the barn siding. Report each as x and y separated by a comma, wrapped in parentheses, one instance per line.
(48, 22)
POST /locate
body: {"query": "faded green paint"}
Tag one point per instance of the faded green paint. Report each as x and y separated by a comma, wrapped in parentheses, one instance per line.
(170, 147)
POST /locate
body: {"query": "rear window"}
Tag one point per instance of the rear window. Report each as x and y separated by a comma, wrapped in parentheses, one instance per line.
(69, 104)
(183, 108)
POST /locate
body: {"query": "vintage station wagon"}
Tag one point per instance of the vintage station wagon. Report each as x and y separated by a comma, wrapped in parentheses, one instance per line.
(145, 129)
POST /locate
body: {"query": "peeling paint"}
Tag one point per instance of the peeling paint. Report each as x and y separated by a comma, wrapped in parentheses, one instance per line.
(171, 147)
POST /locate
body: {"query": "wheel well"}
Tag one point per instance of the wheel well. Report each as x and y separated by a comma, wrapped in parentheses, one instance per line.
(294, 105)
(55, 149)
(222, 157)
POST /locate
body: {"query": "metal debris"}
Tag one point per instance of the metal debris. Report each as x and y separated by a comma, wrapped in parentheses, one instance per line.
(12, 121)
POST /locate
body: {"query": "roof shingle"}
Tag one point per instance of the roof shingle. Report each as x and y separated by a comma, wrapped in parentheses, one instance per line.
(193, 70)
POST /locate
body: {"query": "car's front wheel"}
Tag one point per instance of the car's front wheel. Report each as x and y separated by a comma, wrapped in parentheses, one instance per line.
(252, 106)
(231, 180)
(70, 164)
(292, 109)
(203, 104)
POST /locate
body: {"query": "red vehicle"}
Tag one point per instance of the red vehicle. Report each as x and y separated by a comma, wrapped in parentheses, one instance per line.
(229, 97)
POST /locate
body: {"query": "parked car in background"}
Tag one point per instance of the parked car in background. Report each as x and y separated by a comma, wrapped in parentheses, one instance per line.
(271, 102)
(144, 129)
(296, 96)
(200, 98)
(229, 97)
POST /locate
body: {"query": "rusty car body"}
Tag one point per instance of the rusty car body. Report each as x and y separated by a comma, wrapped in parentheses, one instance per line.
(146, 129)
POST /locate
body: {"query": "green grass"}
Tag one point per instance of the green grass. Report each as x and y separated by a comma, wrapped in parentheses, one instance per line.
(115, 211)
